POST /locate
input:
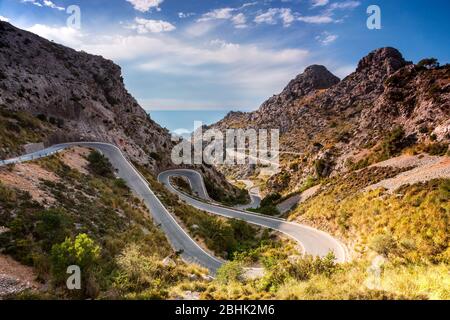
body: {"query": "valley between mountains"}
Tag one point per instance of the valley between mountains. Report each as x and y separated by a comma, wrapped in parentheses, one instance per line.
(360, 208)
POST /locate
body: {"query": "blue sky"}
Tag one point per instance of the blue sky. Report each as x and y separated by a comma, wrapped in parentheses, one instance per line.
(223, 55)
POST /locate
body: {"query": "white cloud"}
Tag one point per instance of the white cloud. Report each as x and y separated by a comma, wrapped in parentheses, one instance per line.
(268, 17)
(246, 69)
(249, 4)
(218, 52)
(145, 5)
(272, 15)
(345, 5)
(326, 38)
(33, 2)
(319, 3)
(246, 66)
(225, 13)
(45, 3)
(183, 15)
(50, 4)
(320, 19)
(2, 18)
(65, 35)
(218, 14)
(286, 16)
(199, 29)
(239, 21)
(186, 53)
(327, 15)
(143, 26)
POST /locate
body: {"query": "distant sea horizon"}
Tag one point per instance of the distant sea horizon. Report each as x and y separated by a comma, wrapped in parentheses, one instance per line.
(182, 121)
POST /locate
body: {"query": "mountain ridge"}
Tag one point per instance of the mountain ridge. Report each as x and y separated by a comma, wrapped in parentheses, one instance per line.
(345, 123)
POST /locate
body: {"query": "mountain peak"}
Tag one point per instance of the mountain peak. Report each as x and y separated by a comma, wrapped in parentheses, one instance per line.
(315, 77)
(315, 69)
(388, 59)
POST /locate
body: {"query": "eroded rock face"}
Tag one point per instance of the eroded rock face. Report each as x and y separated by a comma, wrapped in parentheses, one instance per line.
(386, 60)
(84, 95)
(344, 117)
(84, 98)
(313, 78)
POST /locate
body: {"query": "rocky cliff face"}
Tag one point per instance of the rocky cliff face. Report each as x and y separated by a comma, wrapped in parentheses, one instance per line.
(76, 96)
(335, 123)
(82, 95)
(314, 78)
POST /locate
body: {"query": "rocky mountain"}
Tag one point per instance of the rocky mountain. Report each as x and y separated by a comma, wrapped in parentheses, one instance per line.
(329, 126)
(82, 94)
(314, 78)
(50, 93)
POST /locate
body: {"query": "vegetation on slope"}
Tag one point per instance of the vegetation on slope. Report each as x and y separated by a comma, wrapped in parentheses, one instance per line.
(17, 129)
(307, 278)
(268, 205)
(96, 223)
(402, 244)
(182, 184)
(227, 238)
(100, 226)
(395, 143)
(221, 196)
(411, 225)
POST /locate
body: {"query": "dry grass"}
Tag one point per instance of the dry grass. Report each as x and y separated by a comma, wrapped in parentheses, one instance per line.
(28, 177)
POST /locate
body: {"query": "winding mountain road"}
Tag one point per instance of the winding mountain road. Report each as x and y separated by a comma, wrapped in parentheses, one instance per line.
(254, 193)
(314, 242)
(179, 239)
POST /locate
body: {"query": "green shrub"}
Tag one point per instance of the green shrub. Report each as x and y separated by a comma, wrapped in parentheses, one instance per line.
(393, 143)
(219, 194)
(155, 156)
(299, 269)
(42, 117)
(294, 166)
(121, 184)
(343, 136)
(182, 184)
(383, 244)
(269, 210)
(138, 272)
(270, 199)
(308, 184)
(429, 63)
(231, 271)
(436, 149)
(320, 167)
(56, 121)
(424, 129)
(51, 227)
(268, 205)
(81, 251)
(100, 165)
(444, 190)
